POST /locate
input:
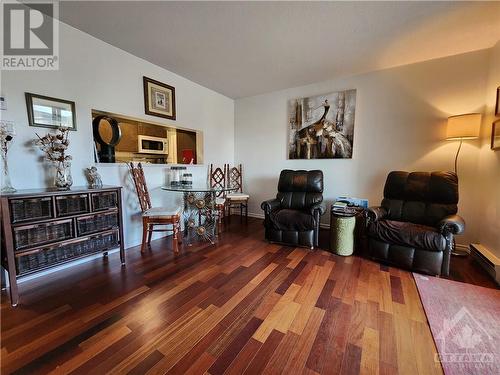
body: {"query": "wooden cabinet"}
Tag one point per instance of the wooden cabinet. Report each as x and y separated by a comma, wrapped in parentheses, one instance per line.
(152, 130)
(128, 142)
(45, 228)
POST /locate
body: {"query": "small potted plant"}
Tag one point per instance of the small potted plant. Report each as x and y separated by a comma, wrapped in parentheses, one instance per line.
(55, 145)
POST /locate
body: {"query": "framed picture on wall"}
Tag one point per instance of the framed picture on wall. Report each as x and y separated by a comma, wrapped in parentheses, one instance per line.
(47, 112)
(159, 99)
(322, 126)
(495, 135)
(497, 106)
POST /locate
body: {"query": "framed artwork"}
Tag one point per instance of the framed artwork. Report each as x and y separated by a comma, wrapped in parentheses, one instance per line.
(47, 112)
(495, 135)
(322, 126)
(159, 99)
(497, 106)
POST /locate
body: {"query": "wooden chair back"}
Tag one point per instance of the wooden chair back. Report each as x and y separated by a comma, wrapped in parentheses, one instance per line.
(235, 177)
(217, 177)
(140, 186)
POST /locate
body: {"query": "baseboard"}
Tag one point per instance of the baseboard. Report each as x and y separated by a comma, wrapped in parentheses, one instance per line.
(488, 261)
(255, 215)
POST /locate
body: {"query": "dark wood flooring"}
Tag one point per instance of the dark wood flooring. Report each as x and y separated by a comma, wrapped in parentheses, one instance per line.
(467, 270)
(242, 306)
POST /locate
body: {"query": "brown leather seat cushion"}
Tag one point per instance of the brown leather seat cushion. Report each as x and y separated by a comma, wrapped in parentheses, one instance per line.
(407, 234)
(288, 219)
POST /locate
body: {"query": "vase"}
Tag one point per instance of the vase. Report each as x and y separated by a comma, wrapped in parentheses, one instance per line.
(63, 179)
(6, 184)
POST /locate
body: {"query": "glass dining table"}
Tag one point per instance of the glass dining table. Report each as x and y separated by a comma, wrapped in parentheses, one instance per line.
(200, 213)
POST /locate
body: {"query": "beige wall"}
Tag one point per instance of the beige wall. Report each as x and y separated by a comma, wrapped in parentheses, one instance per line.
(400, 125)
(488, 178)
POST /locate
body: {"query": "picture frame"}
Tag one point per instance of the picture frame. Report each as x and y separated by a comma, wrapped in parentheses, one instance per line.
(159, 99)
(497, 106)
(495, 135)
(48, 112)
(322, 126)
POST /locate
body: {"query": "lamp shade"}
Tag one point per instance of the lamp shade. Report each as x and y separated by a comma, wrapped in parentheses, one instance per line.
(463, 126)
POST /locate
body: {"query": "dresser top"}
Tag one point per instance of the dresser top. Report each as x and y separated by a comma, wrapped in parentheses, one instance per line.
(54, 191)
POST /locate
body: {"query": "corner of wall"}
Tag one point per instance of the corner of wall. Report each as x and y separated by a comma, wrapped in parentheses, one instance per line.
(488, 172)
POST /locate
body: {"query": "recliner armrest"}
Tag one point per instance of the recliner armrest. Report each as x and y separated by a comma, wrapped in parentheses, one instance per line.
(321, 207)
(452, 224)
(270, 205)
(376, 213)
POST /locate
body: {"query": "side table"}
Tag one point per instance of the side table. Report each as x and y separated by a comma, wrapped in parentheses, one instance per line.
(345, 229)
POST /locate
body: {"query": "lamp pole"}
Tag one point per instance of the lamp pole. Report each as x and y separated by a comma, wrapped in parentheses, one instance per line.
(460, 127)
(456, 156)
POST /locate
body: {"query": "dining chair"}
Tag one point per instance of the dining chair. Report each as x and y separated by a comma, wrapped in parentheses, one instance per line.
(236, 198)
(154, 216)
(217, 178)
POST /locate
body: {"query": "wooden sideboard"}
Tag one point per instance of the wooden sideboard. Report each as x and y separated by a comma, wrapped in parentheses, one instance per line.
(44, 228)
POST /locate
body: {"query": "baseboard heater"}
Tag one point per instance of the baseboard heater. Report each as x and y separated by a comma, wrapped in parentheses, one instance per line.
(489, 261)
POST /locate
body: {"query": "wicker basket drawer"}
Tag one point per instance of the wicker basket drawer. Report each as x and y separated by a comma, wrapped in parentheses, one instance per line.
(31, 209)
(53, 255)
(106, 241)
(96, 223)
(39, 234)
(104, 200)
(72, 204)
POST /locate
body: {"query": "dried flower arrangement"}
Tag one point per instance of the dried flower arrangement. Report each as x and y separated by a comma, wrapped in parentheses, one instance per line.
(55, 147)
(7, 134)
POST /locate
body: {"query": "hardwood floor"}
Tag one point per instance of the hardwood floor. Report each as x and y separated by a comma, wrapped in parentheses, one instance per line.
(467, 270)
(241, 307)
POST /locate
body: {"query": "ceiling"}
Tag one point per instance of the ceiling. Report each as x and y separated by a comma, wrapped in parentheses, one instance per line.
(247, 48)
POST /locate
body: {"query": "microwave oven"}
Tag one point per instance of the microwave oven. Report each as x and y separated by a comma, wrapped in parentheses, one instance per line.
(152, 145)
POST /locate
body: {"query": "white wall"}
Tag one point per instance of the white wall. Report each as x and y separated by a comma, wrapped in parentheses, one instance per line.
(99, 76)
(400, 125)
(488, 179)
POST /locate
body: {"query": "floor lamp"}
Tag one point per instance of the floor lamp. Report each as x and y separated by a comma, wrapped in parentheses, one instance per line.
(462, 127)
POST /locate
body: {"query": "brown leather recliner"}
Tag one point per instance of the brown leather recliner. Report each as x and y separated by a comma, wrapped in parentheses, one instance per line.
(415, 224)
(293, 216)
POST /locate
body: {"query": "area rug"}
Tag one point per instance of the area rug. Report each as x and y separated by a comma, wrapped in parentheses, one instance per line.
(465, 324)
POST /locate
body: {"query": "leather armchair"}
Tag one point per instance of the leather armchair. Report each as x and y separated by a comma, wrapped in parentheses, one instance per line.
(415, 224)
(293, 217)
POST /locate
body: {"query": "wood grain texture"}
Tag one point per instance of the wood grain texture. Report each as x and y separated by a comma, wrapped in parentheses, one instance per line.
(241, 307)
